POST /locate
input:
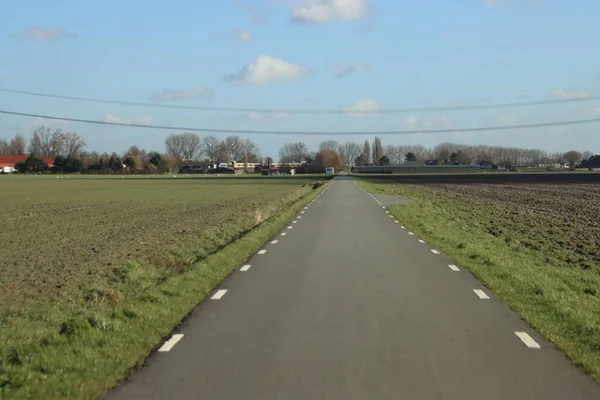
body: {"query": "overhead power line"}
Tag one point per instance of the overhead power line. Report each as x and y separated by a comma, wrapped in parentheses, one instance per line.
(306, 111)
(259, 132)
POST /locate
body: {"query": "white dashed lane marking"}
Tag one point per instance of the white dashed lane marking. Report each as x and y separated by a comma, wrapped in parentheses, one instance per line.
(411, 234)
(283, 234)
(396, 221)
(453, 267)
(528, 340)
(274, 241)
(262, 252)
(294, 222)
(435, 251)
(219, 294)
(290, 227)
(245, 267)
(481, 294)
(168, 345)
(421, 241)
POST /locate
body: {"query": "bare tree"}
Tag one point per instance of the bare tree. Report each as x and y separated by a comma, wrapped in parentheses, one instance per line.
(4, 148)
(223, 154)
(377, 150)
(366, 152)
(250, 151)
(572, 157)
(293, 152)
(330, 145)
(174, 144)
(234, 148)
(46, 143)
(586, 155)
(351, 152)
(73, 145)
(191, 146)
(17, 146)
(210, 147)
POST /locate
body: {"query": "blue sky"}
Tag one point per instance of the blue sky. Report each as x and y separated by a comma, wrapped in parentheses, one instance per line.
(286, 54)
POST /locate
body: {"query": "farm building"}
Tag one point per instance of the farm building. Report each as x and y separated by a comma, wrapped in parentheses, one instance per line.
(7, 163)
(593, 162)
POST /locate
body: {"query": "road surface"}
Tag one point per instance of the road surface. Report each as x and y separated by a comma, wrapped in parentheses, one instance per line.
(346, 304)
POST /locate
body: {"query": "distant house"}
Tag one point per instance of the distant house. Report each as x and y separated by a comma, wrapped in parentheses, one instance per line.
(7, 163)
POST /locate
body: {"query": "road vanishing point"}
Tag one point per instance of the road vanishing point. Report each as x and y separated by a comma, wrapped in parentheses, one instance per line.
(346, 304)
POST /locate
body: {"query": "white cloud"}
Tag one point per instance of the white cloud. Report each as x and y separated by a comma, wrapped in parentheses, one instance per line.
(266, 70)
(321, 11)
(560, 94)
(342, 70)
(140, 119)
(362, 108)
(185, 94)
(44, 34)
(243, 36)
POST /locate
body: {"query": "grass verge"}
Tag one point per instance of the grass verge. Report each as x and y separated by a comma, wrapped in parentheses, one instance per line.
(96, 347)
(560, 301)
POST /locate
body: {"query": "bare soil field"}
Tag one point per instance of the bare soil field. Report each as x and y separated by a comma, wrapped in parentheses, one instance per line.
(490, 176)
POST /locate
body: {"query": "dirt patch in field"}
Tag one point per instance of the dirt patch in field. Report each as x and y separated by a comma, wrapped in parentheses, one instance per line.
(562, 219)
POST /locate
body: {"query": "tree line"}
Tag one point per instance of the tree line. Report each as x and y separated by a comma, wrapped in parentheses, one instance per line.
(68, 152)
(376, 153)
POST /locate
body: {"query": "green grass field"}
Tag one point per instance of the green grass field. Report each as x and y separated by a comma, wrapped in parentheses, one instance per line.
(535, 245)
(95, 271)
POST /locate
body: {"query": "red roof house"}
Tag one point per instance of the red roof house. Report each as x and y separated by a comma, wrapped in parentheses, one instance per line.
(11, 161)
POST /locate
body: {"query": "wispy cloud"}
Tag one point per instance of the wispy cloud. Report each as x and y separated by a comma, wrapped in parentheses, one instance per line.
(180, 95)
(342, 70)
(322, 11)
(560, 94)
(362, 108)
(44, 34)
(267, 70)
(243, 36)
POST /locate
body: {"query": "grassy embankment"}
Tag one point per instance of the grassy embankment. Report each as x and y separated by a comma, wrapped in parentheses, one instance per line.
(545, 266)
(96, 271)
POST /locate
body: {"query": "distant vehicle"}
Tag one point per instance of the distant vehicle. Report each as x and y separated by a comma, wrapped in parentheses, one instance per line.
(329, 171)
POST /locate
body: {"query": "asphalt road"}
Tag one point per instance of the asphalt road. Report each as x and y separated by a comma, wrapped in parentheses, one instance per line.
(348, 305)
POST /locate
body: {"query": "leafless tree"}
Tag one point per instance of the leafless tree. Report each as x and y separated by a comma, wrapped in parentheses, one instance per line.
(4, 148)
(73, 144)
(330, 145)
(234, 148)
(175, 146)
(377, 150)
(17, 146)
(293, 152)
(210, 147)
(191, 146)
(586, 155)
(223, 154)
(250, 151)
(367, 152)
(46, 143)
(572, 157)
(351, 151)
